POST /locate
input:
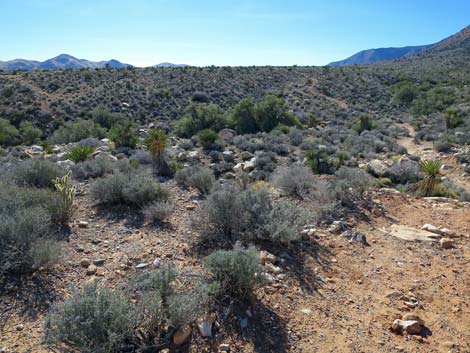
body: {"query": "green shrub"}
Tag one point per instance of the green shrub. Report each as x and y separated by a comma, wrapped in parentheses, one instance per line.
(319, 161)
(197, 177)
(93, 320)
(242, 117)
(134, 189)
(156, 143)
(207, 137)
(105, 118)
(76, 131)
(200, 116)
(29, 134)
(365, 123)
(237, 271)
(271, 112)
(36, 172)
(80, 153)
(123, 134)
(9, 135)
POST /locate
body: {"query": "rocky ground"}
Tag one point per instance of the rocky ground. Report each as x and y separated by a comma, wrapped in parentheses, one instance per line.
(338, 295)
(342, 292)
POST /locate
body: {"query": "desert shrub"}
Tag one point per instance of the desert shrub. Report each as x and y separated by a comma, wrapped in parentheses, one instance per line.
(200, 97)
(350, 185)
(92, 142)
(27, 238)
(242, 117)
(323, 200)
(237, 271)
(79, 153)
(143, 157)
(265, 164)
(105, 118)
(29, 134)
(405, 93)
(134, 189)
(165, 303)
(9, 135)
(197, 176)
(123, 134)
(284, 223)
(207, 137)
(454, 118)
(271, 112)
(319, 161)
(76, 131)
(93, 320)
(36, 172)
(296, 137)
(158, 211)
(365, 123)
(430, 185)
(230, 214)
(403, 172)
(443, 146)
(295, 180)
(93, 168)
(200, 116)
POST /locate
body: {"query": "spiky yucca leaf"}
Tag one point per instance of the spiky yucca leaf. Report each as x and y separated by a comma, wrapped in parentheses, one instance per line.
(431, 169)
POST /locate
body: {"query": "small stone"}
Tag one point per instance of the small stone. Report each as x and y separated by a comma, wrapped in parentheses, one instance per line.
(446, 243)
(394, 294)
(182, 335)
(412, 317)
(141, 266)
(85, 262)
(156, 263)
(306, 311)
(98, 262)
(83, 224)
(190, 207)
(224, 347)
(205, 325)
(431, 228)
(20, 327)
(91, 270)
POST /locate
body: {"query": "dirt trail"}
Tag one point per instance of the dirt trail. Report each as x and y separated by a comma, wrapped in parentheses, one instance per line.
(453, 170)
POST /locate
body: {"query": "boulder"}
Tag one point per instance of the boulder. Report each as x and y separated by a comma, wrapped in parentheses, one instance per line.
(412, 327)
(245, 155)
(377, 168)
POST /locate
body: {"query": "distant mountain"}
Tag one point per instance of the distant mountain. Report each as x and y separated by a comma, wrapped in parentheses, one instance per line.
(60, 62)
(169, 65)
(373, 55)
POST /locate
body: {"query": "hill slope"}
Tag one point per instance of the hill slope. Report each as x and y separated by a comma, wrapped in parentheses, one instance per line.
(373, 55)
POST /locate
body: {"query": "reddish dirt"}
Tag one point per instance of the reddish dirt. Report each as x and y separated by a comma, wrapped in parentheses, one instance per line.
(330, 298)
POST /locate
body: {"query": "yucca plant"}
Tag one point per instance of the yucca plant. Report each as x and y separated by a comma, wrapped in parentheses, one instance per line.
(156, 142)
(431, 168)
(80, 153)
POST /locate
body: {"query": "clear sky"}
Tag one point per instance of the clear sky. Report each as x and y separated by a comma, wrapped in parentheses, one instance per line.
(221, 32)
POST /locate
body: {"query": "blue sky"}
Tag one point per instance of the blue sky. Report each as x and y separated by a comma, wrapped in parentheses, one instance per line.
(223, 32)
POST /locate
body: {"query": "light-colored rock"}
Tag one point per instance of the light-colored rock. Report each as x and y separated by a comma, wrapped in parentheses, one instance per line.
(446, 243)
(412, 327)
(412, 234)
(250, 165)
(266, 257)
(377, 168)
(66, 164)
(432, 229)
(91, 270)
(37, 149)
(182, 335)
(394, 294)
(193, 155)
(238, 167)
(83, 224)
(224, 347)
